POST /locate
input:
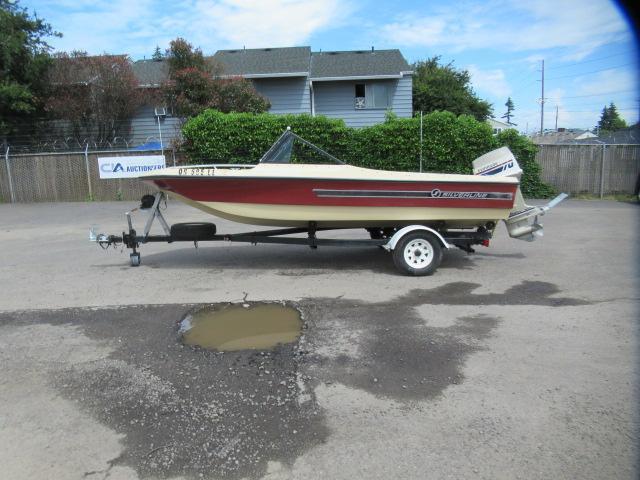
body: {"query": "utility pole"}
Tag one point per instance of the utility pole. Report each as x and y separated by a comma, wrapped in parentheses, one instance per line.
(556, 118)
(542, 103)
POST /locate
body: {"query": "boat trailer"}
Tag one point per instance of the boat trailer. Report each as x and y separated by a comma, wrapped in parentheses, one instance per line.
(417, 249)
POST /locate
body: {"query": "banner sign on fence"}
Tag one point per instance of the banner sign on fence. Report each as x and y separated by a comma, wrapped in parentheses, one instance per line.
(127, 167)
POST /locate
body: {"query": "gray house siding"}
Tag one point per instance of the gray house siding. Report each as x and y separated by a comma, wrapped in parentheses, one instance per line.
(144, 128)
(337, 100)
(402, 102)
(287, 95)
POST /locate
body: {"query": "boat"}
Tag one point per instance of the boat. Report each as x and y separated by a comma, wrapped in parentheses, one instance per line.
(300, 186)
(296, 183)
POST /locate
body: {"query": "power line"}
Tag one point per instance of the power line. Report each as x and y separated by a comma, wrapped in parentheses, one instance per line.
(600, 94)
(593, 71)
(593, 105)
(589, 61)
(522, 75)
(593, 110)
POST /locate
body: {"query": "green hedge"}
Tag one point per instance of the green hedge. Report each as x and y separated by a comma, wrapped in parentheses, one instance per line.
(244, 137)
(450, 143)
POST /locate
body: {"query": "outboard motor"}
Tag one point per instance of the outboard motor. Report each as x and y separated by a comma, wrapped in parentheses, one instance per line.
(523, 220)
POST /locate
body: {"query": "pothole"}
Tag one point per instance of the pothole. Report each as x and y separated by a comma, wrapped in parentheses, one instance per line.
(242, 327)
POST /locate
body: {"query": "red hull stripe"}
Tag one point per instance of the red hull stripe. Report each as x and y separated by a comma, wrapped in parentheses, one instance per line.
(352, 193)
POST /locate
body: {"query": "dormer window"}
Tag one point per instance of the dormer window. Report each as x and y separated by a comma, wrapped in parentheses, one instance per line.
(372, 95)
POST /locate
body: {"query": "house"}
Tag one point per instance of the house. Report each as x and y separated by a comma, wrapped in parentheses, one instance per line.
(497, 126)
(279, 74)
(356, 86)
(361, 86)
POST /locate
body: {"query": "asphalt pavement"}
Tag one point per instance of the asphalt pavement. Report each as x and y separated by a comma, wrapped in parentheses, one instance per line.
(518, 361)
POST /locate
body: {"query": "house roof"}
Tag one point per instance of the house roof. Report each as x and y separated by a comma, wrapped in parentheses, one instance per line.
(292, 62)
(499, 123)
(267, 62)
(629, 136)
(553, 137)
(150, 72)
(358, 64)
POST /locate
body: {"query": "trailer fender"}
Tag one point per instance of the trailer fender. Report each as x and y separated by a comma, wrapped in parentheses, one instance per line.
(391, 245)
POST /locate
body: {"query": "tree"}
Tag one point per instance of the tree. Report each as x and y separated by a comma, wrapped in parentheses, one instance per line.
(443, 87)
(239, 95)
(189, 91)
(157, 55)
(610, 119)
(181, 55)
(24, 59)
(95, 94)
(195, 84)
(510, 108)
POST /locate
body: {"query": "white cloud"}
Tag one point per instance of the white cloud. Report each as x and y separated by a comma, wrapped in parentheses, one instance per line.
(614, 80)
(259, 23)
(123, 26)
(513, 25)
(491, 82)
(113, 28)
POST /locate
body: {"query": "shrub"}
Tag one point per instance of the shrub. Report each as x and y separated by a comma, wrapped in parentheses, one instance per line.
(245, 137)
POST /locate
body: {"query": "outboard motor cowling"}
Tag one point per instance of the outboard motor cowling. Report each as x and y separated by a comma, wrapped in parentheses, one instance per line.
(500, 162)
(523, 221)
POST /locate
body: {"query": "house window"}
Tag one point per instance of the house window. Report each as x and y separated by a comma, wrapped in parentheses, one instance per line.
(372, 95)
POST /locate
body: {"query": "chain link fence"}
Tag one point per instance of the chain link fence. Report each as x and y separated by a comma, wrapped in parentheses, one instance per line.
(144, 132)
(57, 161)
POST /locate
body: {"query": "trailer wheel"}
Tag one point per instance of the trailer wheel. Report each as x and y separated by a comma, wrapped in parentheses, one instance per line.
(418, 253)
(135, 259)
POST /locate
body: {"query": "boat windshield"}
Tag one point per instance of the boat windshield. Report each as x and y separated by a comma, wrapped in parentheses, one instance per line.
(290, 148)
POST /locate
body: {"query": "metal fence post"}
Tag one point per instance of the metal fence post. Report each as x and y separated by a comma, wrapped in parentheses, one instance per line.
(604, 146)
(86, 163)
(9, 176)
(421, 141)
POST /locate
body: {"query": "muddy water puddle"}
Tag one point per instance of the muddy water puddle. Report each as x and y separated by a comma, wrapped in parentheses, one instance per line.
(242, 327)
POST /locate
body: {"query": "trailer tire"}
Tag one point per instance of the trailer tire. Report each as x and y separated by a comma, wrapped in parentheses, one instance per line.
(134, 258)
(418, 253)
(193, 231)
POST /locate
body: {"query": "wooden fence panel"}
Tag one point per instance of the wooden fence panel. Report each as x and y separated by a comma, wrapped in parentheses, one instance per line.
(621, 168)
(590, 169)
(62, 177)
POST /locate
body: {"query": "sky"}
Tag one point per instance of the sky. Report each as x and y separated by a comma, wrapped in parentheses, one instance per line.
(589, 47)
